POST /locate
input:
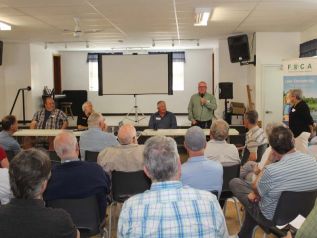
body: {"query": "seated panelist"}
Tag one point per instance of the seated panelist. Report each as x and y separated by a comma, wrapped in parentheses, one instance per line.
(162, 119)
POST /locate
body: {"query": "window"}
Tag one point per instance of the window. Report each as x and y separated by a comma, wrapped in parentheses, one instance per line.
(178, 76)
(93, 76)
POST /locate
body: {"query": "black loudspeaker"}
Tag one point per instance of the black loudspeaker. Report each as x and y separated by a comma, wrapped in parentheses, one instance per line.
(1, 51)
(239, 48)
(225, 90)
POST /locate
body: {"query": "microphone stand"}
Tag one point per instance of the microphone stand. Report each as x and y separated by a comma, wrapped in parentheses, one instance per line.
(23, 102)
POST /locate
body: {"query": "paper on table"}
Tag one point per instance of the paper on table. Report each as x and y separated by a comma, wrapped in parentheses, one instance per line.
(296, 223)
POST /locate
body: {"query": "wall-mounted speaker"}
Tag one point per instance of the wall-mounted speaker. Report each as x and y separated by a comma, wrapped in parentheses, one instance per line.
(239, 48)
(225, 90)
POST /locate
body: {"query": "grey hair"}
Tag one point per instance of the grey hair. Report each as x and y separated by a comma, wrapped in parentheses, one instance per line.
(93, 119)
(159, 102)
(281, 139)
(195, 139)
(64, 146)
(296, 92)
(269, 127)
(219, 130)
(85, 104)
(161, 158)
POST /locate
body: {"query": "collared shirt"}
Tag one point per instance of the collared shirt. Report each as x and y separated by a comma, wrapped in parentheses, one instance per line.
(254, 138)
(5, 189)
(94, 139)
(294, 172)
(221, 151)
(8, 142)
(200, 112)
(126, 158)
(201, 173)
(171, 210)
(168, 121)
(55, 120)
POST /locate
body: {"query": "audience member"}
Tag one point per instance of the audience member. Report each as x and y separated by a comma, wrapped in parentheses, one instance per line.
(9, 126)
(26, 215)
(5, 190)
(49, 117)
(291, 172)
(82, 119)
(254, 138)
(217, 148)
(199, 172)
(4, 162)
(162, 119)
(96, 138)
(128, 156)
(75, 178)
(312, 148)
(169, 209)
(301, 142)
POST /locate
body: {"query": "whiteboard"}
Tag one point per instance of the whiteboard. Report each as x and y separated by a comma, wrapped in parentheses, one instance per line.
(134, 74)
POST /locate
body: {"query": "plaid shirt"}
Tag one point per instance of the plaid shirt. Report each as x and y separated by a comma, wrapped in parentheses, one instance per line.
(55, 120)
(172, 210)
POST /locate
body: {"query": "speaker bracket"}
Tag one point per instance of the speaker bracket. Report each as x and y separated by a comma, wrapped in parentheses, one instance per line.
(242, 63)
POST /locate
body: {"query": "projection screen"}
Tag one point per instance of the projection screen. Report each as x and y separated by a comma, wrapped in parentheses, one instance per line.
(135, 74)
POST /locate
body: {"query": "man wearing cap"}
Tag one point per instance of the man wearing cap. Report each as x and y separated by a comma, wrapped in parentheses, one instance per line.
(199, 172)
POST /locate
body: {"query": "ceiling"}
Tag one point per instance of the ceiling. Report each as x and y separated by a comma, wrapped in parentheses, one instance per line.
(136, 23)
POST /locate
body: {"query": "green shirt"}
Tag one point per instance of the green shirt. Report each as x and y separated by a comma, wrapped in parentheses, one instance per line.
(200, 112)
(309, 227)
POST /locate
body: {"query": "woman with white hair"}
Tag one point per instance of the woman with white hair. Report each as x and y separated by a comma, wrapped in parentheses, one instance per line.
(82, 118)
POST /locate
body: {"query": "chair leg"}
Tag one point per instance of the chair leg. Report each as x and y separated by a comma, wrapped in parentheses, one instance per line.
(110, 218)
(254, 231)
(264, 235)
(224, 208)
(237, 210)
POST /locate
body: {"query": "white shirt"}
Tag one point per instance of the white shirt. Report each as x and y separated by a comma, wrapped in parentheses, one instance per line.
(301, 142)
(5, 190)
(226, 154)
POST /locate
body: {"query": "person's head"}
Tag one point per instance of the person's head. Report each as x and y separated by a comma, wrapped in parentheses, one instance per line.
(161, 107)
(66, 146)
(161, 159)
(202, 87)
(127, 135)
(9, 123)
(87, 107)
(219, 130)
(281, 140)
(269, 127)
(96, 120)
(295, 95)
(251, 119)
(29, 172)
(195, 141)
(49, 104)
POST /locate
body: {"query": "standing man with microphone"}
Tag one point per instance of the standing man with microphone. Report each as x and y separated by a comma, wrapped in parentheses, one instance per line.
(201, 107)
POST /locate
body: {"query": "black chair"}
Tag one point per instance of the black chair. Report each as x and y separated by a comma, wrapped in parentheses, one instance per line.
(84, 213)
(10, 154)
(289, 206)
(229, 172)
(55, 160)
(125, 185)
(91, 156)
(246, 153)
(215, 192)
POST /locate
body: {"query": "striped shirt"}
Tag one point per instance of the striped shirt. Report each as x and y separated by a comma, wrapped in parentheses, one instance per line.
(55, 120)
(254, 138)
(294, 172)
(172, 210)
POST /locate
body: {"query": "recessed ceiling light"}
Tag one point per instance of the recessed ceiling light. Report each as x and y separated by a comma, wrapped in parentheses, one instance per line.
(202, 16)
(5, 27)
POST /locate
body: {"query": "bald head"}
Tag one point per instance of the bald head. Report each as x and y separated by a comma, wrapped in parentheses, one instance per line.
(65, 145)
(127, 135)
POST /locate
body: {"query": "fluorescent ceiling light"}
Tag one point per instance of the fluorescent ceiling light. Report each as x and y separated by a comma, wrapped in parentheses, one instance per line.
(4, 27)
(202, 16)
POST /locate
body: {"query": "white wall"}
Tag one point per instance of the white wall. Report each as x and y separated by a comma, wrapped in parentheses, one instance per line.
(198, 67)
(309, 34)
(271, 49)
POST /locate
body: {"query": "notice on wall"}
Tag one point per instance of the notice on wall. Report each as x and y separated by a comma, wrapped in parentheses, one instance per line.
(301, 74)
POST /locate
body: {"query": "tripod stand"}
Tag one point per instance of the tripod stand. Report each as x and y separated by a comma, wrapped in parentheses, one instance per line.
(136, 111)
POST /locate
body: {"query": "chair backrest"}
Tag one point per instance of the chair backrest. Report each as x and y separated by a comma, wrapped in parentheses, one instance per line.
(127, 184)
(91, 156)
(215, 192)
(84, 213)
(260, 151)
(229, 172)
(10, 154)
(55, 160)
(291, 204)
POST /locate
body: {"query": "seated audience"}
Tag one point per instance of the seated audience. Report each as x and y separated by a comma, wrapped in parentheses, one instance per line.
(75, 178)
(5, 190)
(95, 138)
(9, 126)
(199, 172)
(4, 162)
(217, 148)
(312, 148)
(169, 209)
(128, 156)
(162, 119)
(291, 171)
(82, 119)
(26, 215)
(301, 142)
(254, 138)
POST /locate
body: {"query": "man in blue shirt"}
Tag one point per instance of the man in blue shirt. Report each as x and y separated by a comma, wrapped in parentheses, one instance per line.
(162, 119)
(9, 126)
(200, 172)
(95, 138)
(169, 209)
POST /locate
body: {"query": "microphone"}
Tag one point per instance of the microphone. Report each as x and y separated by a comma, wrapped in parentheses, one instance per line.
(201, 95)
(28, 88)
